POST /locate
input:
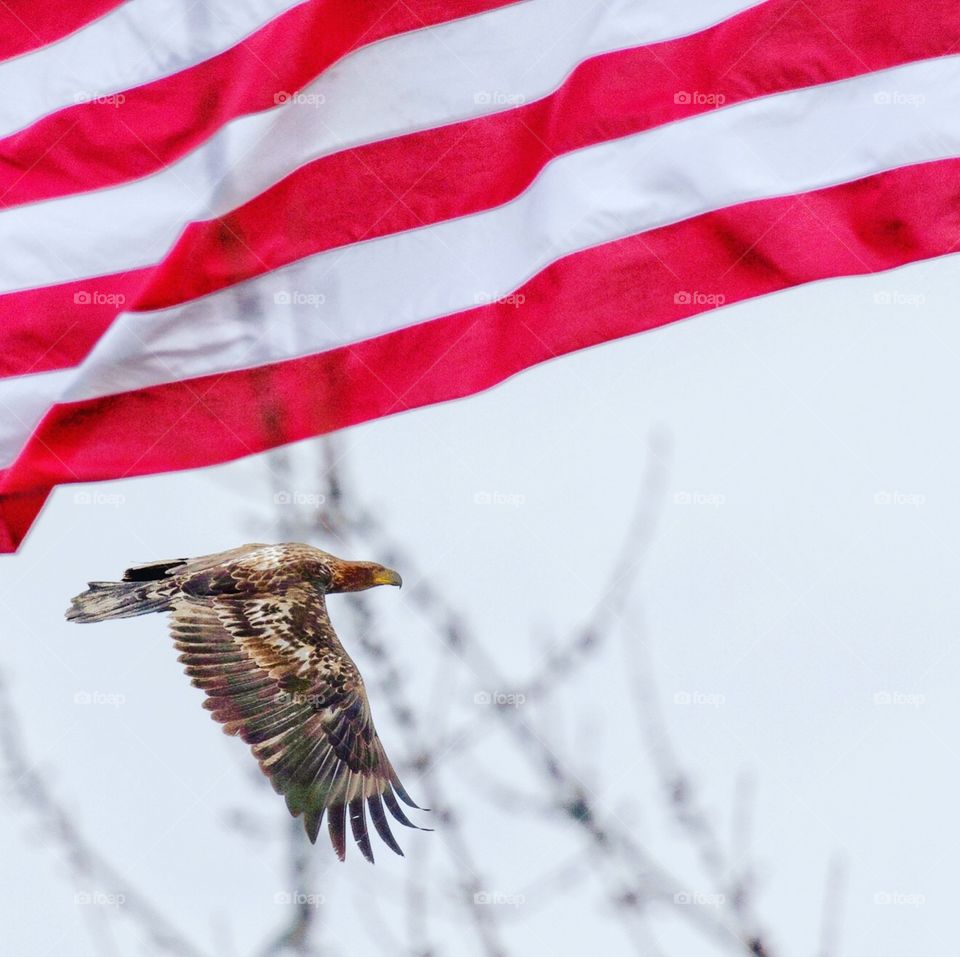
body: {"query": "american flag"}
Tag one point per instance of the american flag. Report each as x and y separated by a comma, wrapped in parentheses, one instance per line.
(231, 224)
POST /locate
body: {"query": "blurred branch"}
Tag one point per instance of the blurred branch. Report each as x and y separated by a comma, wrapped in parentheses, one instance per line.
(86, 863)
(833, 895)
(680, 792)
(296, 938)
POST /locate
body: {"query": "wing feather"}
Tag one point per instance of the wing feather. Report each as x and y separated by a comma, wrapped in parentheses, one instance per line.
(375, 806)
(276, 675)
(395, 808)
(358, 825)
(336, 815)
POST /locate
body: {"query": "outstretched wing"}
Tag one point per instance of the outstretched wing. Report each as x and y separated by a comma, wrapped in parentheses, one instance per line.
(276, 675)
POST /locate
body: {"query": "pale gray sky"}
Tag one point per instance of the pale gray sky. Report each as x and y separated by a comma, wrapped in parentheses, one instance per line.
(800, 601)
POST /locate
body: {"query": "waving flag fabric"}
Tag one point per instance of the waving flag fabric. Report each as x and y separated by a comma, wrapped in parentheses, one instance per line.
(234, 224)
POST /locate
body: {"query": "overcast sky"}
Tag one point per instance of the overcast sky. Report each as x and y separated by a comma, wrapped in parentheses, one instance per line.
(800, 599)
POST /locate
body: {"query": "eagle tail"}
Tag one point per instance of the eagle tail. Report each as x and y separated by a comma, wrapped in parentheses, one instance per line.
(106, 600)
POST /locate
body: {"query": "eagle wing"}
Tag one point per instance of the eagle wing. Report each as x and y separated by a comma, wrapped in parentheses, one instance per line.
(275, 674)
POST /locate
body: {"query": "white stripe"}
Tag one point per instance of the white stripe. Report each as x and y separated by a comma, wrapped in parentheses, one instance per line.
(23, 402)
(428, 78)
(779, 145)
(134, 44)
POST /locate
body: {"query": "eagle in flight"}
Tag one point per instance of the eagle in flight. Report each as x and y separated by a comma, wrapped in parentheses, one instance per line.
(254, 633)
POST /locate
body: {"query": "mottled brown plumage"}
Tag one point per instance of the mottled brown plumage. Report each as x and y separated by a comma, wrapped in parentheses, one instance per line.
(253, 631)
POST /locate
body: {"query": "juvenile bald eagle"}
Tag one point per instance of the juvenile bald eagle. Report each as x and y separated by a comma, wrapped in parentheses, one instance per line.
(254, 633)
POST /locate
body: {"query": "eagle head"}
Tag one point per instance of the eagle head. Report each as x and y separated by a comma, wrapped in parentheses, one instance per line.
(356, 576)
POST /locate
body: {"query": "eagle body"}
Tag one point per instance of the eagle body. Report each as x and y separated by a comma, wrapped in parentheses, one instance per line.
(252, 627)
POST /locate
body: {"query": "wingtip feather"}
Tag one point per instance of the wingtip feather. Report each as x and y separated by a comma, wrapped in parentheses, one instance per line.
(358, 825)
(381, 824)
(336, 821)
(311, 823)
(397, 811)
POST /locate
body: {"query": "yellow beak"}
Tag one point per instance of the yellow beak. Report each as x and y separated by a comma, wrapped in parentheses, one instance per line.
(387, 576)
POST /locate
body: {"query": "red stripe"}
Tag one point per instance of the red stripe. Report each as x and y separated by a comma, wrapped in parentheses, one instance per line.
(404, 182)
(602, 293)
(29, 24)
(399, 183)
(54, 327)
(93, 145)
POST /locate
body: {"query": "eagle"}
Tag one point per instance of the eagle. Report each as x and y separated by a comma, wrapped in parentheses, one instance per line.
(252, 627)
